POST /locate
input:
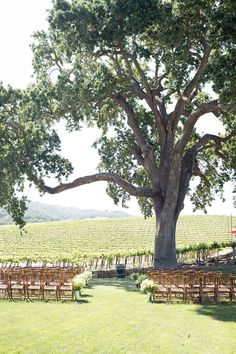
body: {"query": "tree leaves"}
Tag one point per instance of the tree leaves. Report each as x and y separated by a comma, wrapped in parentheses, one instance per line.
(28, 151)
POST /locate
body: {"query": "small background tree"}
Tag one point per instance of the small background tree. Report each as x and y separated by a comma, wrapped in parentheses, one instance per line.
(28, 150)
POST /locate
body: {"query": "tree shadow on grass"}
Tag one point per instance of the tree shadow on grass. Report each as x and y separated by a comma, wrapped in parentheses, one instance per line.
(88, 287)
(82, 301)
(222, 312)
(86, 295)
(223, 268)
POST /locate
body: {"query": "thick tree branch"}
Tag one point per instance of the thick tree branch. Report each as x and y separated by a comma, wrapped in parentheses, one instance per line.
(185, 177)
(161, 104)
(178, 111)
(209, 107)
(160, 120)
(201, 143)
(136, 151)
(157, 92)
(127, 56)
(141, 73)
(136, 88)
(130, 80)
(108, 177)
(147, 152)
(149, 95)
(190, 166)
(132, 121)
(193, 83)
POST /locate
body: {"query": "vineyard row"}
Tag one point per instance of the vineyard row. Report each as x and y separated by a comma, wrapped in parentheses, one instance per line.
(192, 253)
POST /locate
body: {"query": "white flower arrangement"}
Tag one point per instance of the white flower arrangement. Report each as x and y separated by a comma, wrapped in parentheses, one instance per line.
(78, 283)
(87, 275)
(147, 286)
(81, 280)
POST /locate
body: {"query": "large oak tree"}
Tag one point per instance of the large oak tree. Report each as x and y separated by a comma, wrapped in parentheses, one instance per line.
(144, 72)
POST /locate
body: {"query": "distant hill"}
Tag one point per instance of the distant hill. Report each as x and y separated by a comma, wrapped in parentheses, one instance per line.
(40, 212)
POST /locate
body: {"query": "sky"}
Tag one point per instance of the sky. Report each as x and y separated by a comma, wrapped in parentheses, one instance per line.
(18, 20)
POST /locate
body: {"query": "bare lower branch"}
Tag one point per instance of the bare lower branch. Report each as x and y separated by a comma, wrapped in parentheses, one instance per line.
(108, 177)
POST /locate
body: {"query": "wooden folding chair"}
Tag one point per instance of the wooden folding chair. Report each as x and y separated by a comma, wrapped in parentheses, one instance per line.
(177, 286)
(210, 286)
(34, 284)
(161, 289)
(193, 287)
(65, 290)
(225, 287)
(4, 285)
(50, 286)
(17, 285)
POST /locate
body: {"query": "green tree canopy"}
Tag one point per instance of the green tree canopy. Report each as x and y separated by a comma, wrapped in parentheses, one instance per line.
(144, 72)
(27, 150)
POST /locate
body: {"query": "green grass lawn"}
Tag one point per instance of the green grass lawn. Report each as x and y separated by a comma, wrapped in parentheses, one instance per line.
(114, 317)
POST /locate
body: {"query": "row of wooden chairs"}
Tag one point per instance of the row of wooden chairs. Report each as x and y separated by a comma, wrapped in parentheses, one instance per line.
(43, 270)
(37, 283)
(193, 286)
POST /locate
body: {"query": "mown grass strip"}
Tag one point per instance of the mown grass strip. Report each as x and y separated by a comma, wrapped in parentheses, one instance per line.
(116, 318)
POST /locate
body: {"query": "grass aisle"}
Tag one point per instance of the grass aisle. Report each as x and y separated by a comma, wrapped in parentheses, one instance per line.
(115, 318)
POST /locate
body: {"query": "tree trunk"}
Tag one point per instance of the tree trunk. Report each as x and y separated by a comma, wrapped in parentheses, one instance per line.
(165, 246)
(168, 211)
